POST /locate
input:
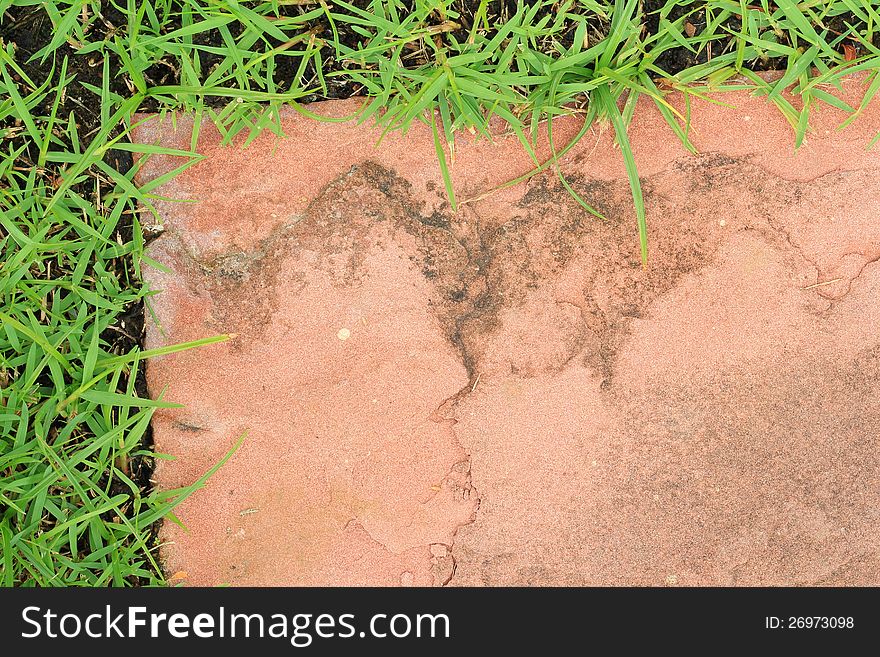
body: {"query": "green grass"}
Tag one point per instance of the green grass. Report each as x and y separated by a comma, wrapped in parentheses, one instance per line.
(76, 505)
(72, 425)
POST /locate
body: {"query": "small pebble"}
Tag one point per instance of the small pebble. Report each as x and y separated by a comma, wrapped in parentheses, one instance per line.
(406, 578)
(722, 223)
(344, 334)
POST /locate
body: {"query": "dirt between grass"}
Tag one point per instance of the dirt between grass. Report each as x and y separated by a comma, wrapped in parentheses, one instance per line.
(501, 394)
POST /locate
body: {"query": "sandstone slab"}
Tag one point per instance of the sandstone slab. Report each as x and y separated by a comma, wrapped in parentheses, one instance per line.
(501, 395)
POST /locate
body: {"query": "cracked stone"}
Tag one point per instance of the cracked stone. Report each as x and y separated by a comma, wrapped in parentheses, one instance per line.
(442, 570)
(501, 395)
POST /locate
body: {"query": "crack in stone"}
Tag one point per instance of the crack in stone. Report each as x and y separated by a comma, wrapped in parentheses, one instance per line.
(797, 248)
(440, 416)
(827, 278)
(450, 275)
(867, 260)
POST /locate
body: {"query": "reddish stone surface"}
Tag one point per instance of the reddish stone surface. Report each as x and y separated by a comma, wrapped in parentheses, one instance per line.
(502, 395)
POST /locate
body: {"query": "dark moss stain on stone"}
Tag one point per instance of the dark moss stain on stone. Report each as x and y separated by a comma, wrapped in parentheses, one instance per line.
(477, 269)
(188, 427)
